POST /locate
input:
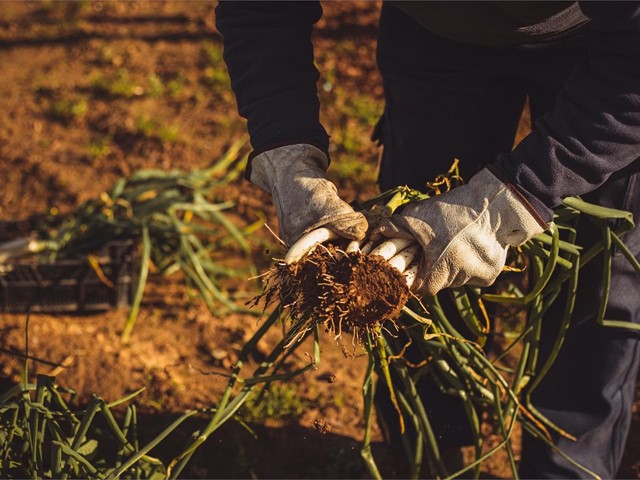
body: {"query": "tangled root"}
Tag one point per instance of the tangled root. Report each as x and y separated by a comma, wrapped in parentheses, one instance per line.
(346, 292)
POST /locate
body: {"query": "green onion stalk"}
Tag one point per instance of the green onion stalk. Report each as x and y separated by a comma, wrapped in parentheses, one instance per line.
(43, 437)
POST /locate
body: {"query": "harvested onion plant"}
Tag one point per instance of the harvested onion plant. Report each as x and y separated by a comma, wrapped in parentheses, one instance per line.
(354, 294)
(351, 291)
(172, 214)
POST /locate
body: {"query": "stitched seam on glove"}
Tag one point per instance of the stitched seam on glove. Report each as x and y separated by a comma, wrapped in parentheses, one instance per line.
(518, 194)
(499, 174)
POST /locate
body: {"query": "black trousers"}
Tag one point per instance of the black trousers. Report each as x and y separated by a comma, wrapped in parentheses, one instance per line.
(447, 100)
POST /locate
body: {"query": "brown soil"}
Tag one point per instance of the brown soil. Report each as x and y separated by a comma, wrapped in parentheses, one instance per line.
(80, 106)
(347, 293)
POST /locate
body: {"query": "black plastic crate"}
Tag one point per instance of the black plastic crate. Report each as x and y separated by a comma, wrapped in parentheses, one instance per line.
(71, 285)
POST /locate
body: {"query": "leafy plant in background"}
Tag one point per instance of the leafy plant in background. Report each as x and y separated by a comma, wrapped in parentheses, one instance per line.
(174, 216)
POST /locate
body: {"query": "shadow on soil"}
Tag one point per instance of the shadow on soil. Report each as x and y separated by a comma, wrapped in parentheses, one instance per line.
(76, 37)
(285, 452)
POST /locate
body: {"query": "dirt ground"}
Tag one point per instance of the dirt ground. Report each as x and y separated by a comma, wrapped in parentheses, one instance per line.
(92, 91)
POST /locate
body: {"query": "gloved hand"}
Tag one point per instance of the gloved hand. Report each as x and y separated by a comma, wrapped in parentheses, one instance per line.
(465, 233)
(303, 197)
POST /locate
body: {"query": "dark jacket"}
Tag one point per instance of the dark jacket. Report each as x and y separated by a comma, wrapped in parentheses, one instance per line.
(592, 132)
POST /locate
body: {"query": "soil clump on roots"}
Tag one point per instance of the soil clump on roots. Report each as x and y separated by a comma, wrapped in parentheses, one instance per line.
(347, 292)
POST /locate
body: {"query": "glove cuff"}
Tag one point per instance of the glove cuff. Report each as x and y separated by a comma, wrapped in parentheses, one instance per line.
(293, 149)
(528, 223)
(539, 210)
(268, 167)
(517, 220)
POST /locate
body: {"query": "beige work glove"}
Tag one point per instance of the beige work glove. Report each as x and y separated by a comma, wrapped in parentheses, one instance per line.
(303, 197)
(465, 233)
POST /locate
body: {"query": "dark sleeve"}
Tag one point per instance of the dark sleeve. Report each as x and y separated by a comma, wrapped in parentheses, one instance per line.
(269, 55)
(594, 127)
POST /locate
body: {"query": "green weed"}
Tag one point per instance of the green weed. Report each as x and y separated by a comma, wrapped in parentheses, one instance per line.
(155, 87)
(364, 109)
(351, 167)
(175, 86)
(339, 399)
(68, 108)
(99, 148)
(69, 11)
(215, 71)
(212, 53)
(152, 128)
(106, 55)
(119, 84)
(280, 401)
(217, 77)
(42, 436)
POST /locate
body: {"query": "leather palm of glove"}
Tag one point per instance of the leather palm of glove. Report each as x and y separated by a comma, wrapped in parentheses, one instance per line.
(303, 197)
(465, 233)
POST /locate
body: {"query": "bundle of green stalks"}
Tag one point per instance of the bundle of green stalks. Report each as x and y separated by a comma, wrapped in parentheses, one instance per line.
(172, 214)
(41, 436)
(351, 292)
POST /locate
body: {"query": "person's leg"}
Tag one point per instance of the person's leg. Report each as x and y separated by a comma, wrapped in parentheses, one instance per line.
(590, 389)
(444, 100)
